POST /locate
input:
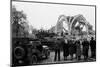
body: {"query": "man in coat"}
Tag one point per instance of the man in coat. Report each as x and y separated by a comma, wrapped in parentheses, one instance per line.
(93, 47)
(65, 49)
(85, 44)
(57, 49)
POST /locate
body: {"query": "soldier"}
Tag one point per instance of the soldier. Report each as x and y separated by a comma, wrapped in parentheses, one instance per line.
(93, 47)
(65, 49)
(85, 44)
(57, 49)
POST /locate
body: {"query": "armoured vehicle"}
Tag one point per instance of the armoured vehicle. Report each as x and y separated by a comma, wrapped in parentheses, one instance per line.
(27, 51)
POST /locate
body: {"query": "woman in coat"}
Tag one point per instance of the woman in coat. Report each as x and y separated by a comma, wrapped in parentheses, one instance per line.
(78, 51)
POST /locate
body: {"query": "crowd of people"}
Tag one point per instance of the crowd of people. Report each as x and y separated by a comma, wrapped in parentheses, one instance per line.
(75, 47)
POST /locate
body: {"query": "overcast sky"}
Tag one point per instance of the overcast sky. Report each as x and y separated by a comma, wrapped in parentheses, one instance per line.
(44, 16)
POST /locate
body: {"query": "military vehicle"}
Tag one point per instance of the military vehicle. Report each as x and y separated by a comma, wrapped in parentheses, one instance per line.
(27, 51)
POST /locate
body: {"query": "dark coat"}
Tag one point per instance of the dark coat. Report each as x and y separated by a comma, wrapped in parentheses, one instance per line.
(65, 49)
(78, 51)
(72, 49)
(85, 47)
(93, 44)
